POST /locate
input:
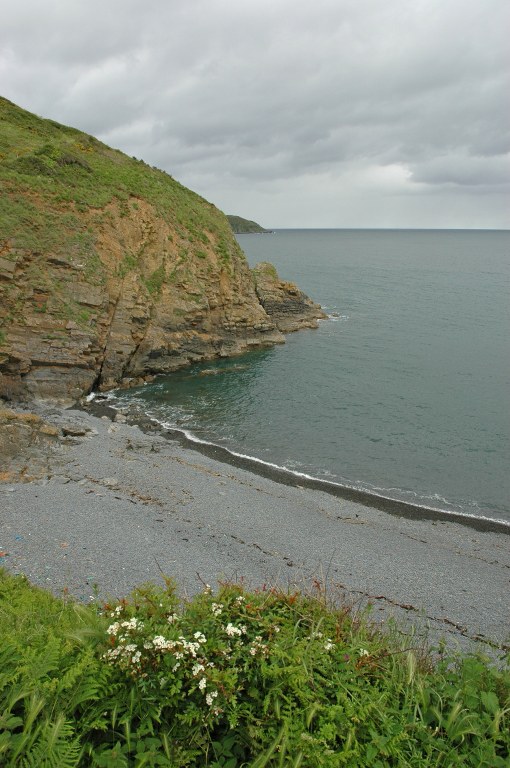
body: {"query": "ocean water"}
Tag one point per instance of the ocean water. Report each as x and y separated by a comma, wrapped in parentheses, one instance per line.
(404, 391)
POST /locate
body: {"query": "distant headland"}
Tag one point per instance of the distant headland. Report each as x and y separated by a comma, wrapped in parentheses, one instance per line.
(242, 226)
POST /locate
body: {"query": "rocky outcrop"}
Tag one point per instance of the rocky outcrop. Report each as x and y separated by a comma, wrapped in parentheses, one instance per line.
(288, 307)
(112, 272)
(26, 440)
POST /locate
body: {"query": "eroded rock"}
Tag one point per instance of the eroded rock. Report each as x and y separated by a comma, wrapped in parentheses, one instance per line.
(288, 307)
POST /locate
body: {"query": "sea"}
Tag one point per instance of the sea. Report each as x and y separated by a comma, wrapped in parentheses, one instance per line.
(402, 392)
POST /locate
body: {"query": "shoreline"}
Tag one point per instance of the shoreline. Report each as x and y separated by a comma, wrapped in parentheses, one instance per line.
(117, 506)
(295, 479)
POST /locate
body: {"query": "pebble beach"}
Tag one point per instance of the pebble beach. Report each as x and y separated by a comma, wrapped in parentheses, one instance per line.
(119, 505)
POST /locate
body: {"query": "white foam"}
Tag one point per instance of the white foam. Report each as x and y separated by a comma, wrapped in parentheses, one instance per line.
(341, 486)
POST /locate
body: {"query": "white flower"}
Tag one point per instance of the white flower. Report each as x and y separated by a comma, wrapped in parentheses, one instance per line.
(200, 637)
(112, 654)
(192, 648)
(239, 600)
(196, 669)
(113, 628)
(216, 609)
(130, 648)
(202, 684)
(136, 657)
(363, 652)
(258, 647)
(210, 697)
(161, 644)
(173, 617)
(328, 645)
(232, 631)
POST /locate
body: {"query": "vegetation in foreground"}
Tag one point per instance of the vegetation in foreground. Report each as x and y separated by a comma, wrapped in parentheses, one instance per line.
(236, 678)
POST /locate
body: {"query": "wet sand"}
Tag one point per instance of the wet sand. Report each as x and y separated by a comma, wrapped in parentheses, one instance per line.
(121, 506)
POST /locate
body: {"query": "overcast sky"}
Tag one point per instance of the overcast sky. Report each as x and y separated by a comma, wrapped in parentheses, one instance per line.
(295, 113)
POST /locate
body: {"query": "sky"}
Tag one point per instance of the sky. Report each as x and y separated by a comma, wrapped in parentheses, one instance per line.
(293, 113)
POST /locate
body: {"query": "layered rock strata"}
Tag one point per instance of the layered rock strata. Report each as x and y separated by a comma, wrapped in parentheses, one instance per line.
(112, 272)
(77, 330)
(289, 308)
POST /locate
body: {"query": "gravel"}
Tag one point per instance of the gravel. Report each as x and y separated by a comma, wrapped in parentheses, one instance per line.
(120, 507)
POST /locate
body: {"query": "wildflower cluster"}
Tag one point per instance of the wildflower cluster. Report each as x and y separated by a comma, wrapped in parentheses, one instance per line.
(209, 655)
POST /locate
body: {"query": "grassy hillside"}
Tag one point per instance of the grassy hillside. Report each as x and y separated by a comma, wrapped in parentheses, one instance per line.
(47, 169)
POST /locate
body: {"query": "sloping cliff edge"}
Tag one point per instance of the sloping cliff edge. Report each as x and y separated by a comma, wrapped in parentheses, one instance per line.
(112, 272)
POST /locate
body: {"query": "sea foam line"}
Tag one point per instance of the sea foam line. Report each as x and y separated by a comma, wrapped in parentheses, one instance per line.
(329, 485)
(360, 495)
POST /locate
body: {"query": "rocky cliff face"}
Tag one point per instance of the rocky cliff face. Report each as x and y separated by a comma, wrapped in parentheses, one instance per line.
(111, 272)
(288, 307)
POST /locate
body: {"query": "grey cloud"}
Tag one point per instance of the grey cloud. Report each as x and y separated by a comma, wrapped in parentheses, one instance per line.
(258, 94)
(464, 170)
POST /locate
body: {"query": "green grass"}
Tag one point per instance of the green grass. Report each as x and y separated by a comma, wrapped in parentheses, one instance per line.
(237, 678)
(154, 282)
(50, 174)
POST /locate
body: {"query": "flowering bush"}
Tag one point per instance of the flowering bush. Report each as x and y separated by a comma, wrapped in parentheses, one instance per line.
(234, 680)
(227, 676)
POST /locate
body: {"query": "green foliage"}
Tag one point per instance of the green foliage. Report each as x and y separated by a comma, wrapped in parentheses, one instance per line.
(237, 678)
(245, 226)
(50, 174)
(155, 281)
(128, 263)
(47, 676)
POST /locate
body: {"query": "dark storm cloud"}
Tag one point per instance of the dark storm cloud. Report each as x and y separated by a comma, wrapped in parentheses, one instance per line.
(368, 107)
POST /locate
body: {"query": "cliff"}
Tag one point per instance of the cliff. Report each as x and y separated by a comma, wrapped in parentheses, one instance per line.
(110, 271)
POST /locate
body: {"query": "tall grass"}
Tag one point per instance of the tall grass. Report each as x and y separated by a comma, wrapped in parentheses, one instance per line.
(236, 678)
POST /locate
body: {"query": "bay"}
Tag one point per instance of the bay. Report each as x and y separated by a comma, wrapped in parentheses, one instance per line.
(403, 391)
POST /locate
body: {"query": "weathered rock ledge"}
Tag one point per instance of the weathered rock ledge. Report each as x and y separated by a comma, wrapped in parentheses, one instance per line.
(288, 307)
